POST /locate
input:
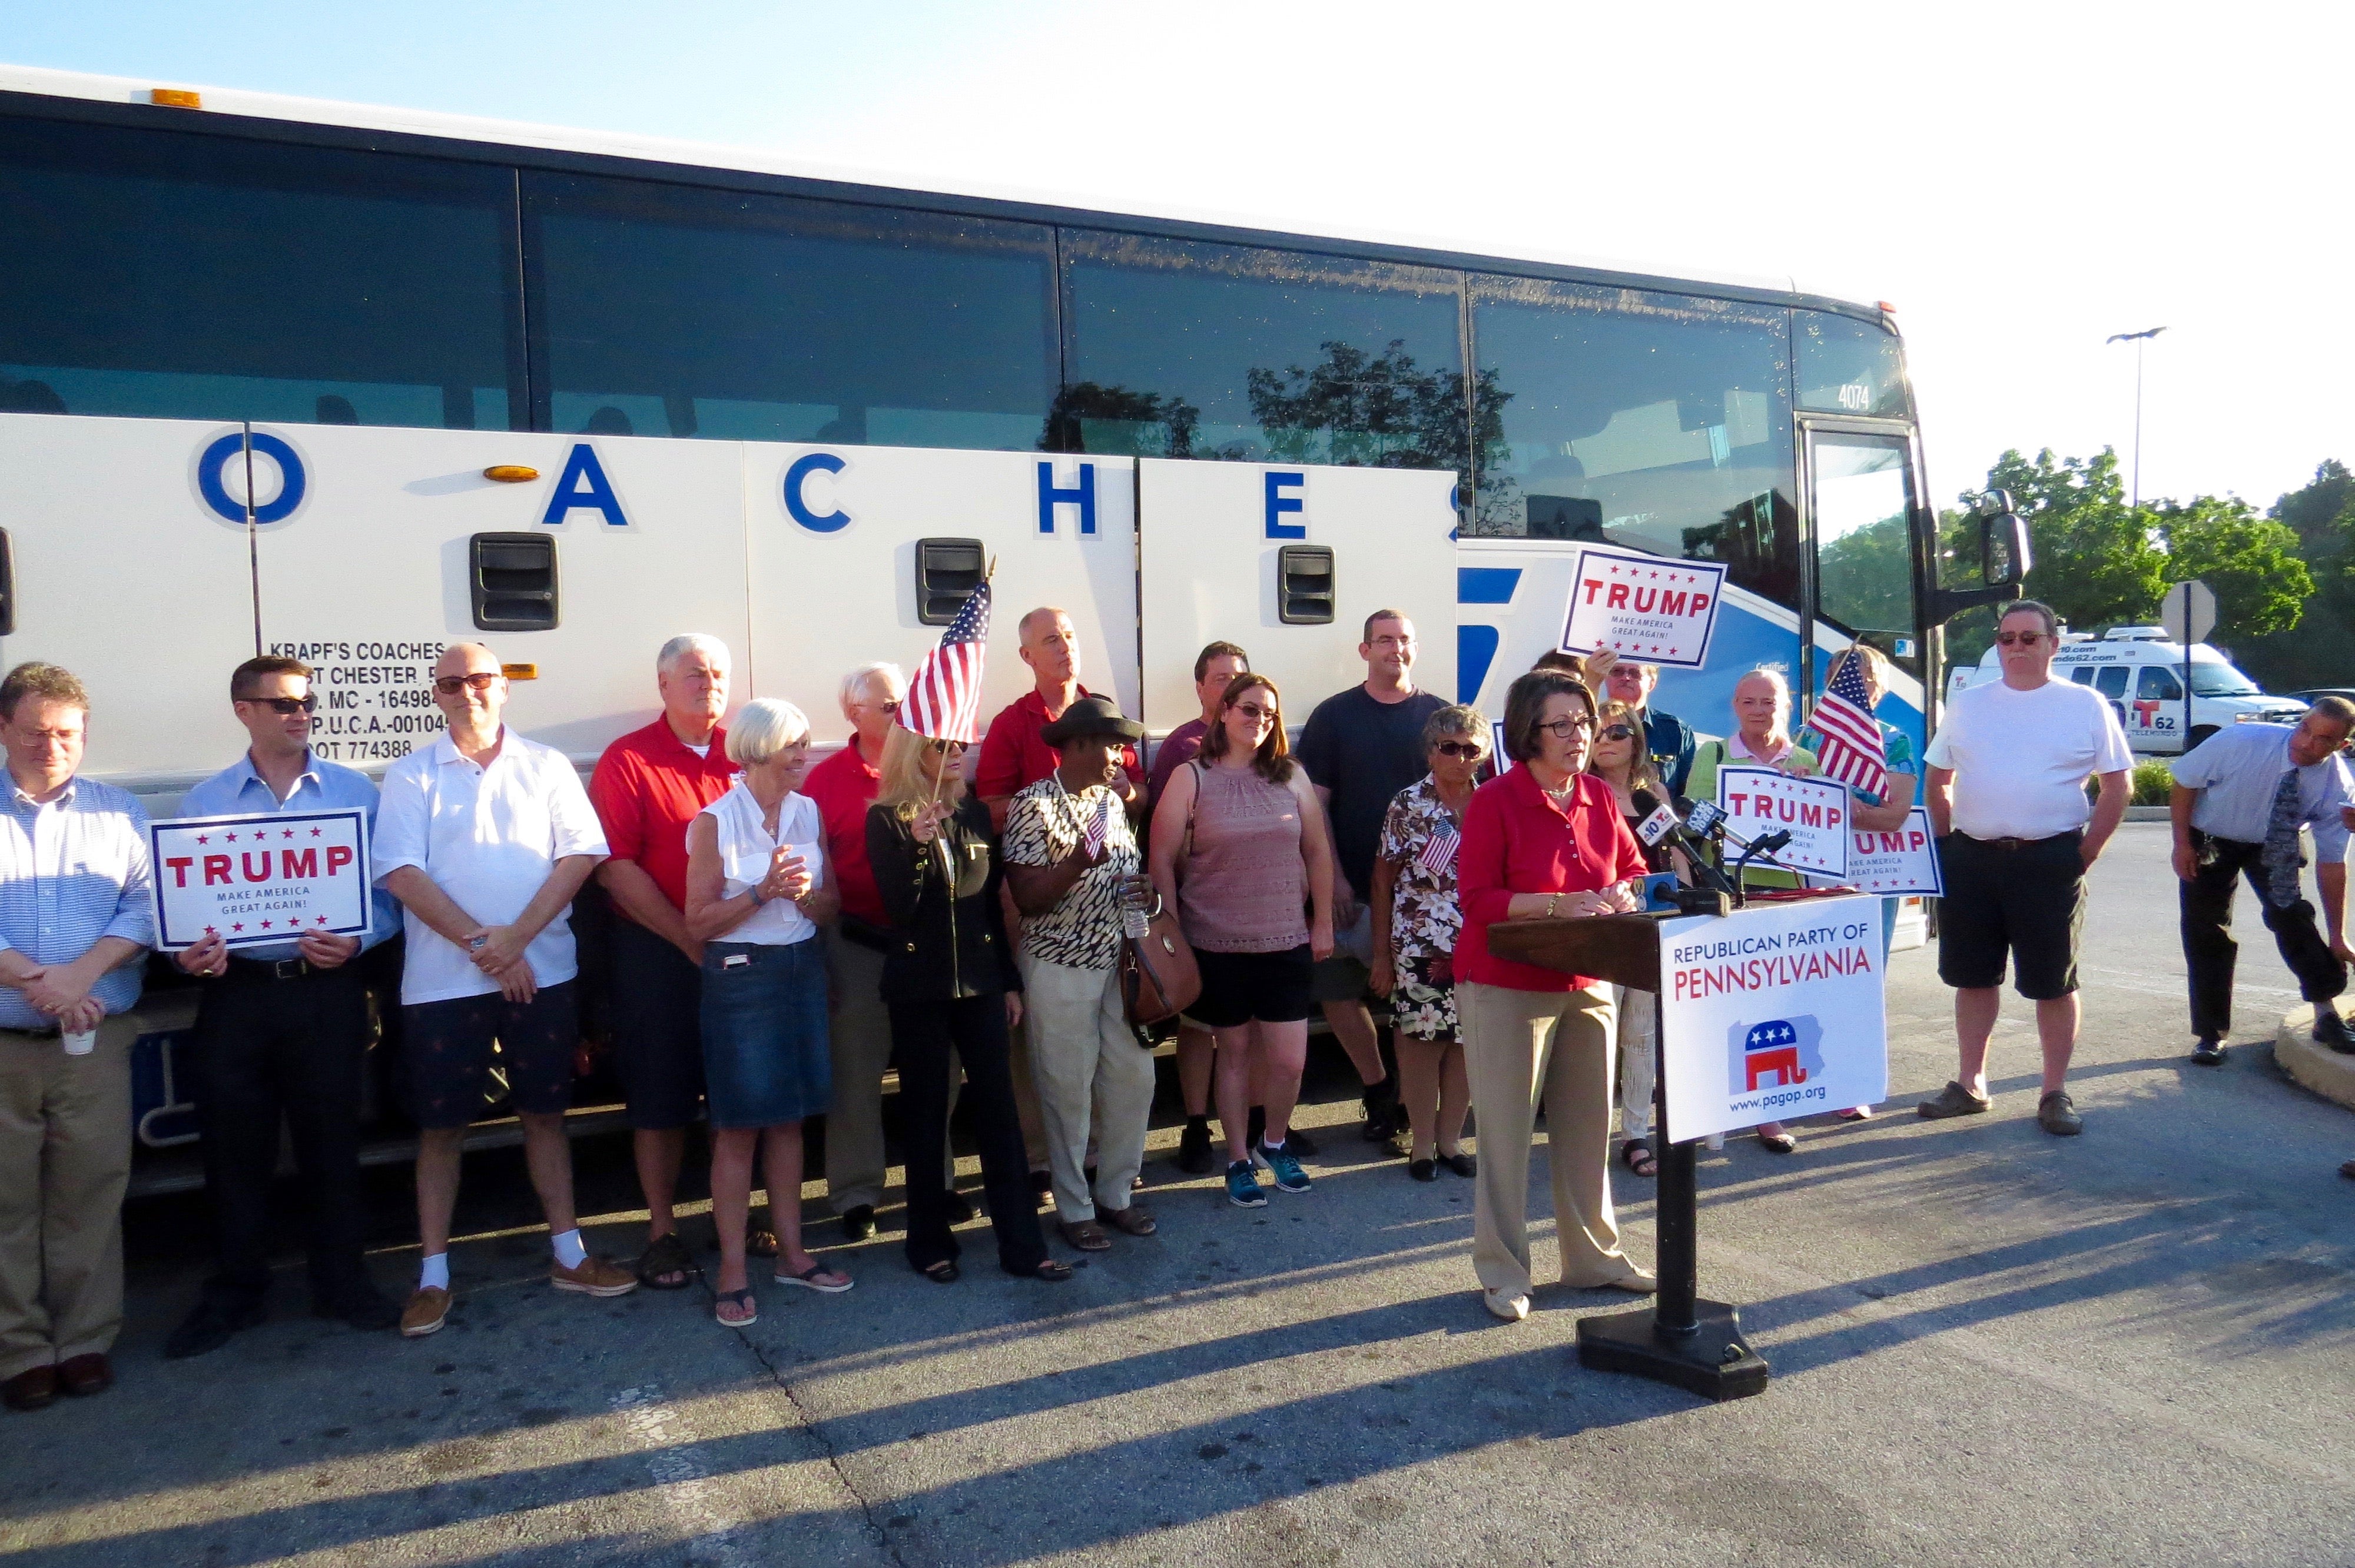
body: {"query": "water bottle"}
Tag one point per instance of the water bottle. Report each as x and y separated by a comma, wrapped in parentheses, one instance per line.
(1135, 920)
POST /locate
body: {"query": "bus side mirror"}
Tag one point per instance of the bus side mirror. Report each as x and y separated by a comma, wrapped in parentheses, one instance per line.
(2004, 559)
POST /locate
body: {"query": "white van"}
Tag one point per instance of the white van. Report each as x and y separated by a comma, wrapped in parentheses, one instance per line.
(2141, 672)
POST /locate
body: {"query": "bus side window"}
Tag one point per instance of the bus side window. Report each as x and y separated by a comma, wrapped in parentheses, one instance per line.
(2111, 682)
(2082, 674)
(2159, 683)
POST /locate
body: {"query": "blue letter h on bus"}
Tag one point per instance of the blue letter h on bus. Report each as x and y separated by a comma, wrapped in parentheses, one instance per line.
(1052, 495)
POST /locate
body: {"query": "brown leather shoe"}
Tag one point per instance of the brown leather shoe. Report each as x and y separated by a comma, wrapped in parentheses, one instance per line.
(595, 1276)
(1087, 1236)
(86, 1374)
(428, 1309)
(35, 1388)
(1132, 1221)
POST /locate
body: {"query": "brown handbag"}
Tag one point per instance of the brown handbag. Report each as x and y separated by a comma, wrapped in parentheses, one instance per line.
(1158, 976)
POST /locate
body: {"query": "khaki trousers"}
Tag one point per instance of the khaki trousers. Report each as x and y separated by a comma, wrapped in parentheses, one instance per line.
(1638, 1061)
(1522, 1048)
(1091, 1076)
(860, 1041)
(65, 1160)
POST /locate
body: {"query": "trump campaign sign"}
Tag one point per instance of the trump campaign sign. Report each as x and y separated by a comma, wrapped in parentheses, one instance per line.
(1770, 1014)
(1814, 811)
(1652, 610)
(259, 878)
(1897, 862)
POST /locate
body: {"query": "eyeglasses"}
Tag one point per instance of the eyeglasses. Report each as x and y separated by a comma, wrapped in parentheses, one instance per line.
(1470, 750)
(949, 748)
(2018, 639)
(1254, 711)
(1563, 729)
(889, 705)
(450, 685)
(288, 706)
(1617, 732)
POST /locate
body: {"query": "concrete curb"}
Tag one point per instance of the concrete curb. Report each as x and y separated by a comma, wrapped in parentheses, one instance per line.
(2148, 813)
(2317, 1067)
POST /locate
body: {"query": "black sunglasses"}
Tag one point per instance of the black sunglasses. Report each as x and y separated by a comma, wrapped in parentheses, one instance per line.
(1471, 749)
(287, 706)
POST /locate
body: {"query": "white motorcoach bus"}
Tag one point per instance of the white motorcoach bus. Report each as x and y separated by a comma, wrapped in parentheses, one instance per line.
(353, 384)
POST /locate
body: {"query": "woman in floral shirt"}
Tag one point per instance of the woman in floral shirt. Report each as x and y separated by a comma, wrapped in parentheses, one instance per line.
(1414, 903)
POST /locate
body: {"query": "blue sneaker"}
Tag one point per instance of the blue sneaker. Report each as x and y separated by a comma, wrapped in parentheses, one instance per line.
(1283, 1166)
(1242, 1186)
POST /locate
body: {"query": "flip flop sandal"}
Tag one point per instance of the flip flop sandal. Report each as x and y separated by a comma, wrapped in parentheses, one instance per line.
(942, 1273)
(736, 1298)
(668, 1256)
(1637, 1157)
(1053, 1271)
(1780, 1143)
(808, 1279)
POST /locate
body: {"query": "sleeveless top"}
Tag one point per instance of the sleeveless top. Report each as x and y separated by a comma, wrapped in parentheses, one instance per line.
(1242, 882)
(745, 848)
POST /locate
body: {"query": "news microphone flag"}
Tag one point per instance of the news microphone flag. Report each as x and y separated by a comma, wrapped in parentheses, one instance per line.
(1852, 751)
(1438, 851)
(944, 700)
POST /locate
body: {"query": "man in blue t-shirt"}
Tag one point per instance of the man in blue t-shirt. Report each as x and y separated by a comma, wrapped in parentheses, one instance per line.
(1360, 747)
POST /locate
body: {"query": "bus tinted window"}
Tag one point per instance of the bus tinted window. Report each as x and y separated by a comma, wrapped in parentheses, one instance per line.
(663, 311)
(174, 275)
(1659, 422)
(1205, 351)
(1848, 366)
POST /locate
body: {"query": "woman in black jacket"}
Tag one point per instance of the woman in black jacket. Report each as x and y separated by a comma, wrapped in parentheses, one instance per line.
(949, 984)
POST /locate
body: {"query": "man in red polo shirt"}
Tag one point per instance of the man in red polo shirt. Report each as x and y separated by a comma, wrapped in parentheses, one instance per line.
(648, 785)
(1013, 758)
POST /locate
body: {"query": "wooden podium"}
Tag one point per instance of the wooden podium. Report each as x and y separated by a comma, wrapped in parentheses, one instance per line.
(1681, 1339)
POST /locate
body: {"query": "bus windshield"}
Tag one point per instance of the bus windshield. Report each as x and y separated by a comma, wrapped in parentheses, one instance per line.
(2221, 680)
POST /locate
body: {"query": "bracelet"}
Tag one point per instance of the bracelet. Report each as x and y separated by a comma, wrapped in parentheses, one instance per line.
(1552, 899)
(757, 899)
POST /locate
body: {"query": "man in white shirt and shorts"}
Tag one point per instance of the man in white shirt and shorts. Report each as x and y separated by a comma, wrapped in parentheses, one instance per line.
(2007, 797)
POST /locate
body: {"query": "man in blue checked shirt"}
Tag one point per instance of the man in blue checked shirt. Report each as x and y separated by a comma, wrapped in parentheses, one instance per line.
(75, 921)
(2239, 798)
(282, 1029)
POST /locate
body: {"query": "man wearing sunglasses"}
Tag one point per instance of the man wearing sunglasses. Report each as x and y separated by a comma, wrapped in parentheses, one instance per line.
(282, 1030)
(1668, 739)
(2007, 799)
(648, 786)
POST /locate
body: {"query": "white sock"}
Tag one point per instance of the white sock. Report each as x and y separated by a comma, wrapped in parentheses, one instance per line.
(569, 1250)
(434, 1273)
(1276, 1147)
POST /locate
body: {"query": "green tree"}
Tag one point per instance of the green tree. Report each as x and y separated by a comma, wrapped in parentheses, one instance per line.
(2321, 651)
(2096, 560)
(2250, 562)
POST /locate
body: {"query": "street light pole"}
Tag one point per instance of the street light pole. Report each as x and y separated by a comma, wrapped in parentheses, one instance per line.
(2139, 339)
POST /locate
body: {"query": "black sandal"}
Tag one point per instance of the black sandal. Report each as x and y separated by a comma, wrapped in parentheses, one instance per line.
(667, 1255)
(1636, 1155)
(743, 1298)
(944, 1272)
(1053, 1271)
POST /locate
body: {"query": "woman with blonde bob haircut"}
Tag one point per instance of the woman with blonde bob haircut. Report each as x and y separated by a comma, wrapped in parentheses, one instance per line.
(758, 887)
(954, 993)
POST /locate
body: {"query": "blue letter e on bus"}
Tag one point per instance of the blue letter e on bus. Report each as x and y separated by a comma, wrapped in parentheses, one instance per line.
(1278, 504)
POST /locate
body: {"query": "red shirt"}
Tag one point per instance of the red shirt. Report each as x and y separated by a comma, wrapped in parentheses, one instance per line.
(1518, 840)
(648, 786)
(844, 786)
(1013, 758)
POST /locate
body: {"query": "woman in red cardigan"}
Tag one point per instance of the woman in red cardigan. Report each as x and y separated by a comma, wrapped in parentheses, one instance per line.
(1543, 842)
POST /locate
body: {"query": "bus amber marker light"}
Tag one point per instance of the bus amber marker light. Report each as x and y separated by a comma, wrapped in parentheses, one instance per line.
(510, 472)
(520, 671)
(174, 98)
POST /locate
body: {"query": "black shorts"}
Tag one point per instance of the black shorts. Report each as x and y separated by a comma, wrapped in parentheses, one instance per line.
(657, 1010)
(448, 1051)
(2028, 903)
(1241, 988)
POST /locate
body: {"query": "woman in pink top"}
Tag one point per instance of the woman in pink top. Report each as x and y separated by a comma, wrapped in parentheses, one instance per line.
(1239, 846)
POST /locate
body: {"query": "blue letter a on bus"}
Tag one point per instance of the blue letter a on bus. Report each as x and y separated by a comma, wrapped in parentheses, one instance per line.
(584, 483)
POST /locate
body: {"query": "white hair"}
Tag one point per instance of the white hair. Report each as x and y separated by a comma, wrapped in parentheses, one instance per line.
(687, 642)
(1775, 674)
(855, 682)
(765, 728)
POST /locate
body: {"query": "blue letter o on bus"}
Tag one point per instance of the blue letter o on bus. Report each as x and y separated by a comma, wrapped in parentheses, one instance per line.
(802, 467)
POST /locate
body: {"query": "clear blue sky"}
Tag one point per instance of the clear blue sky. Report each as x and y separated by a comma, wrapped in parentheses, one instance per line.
(2022, 180)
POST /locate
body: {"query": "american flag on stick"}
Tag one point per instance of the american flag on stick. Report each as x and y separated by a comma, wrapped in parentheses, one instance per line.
(1099, 826)
(1438, 851)
(944, 700)
(1852, 749)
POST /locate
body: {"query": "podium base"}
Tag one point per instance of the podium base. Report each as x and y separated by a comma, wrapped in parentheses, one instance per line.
(1715, 1363)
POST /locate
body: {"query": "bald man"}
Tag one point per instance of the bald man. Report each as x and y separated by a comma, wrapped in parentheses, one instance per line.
(1013, 758)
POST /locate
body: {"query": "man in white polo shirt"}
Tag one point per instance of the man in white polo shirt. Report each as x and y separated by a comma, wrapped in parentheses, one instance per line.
(484, 837)
(2007, 797)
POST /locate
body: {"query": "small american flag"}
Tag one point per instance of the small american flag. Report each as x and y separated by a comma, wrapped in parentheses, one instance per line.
(1099, 826)
(944, 700)
(1852, 750)
(1438, 851)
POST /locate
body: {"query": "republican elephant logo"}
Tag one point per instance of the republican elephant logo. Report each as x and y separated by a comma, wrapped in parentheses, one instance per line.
(1781, 1053)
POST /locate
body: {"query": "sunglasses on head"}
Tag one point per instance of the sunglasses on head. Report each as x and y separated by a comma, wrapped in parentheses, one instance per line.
(450, 685)
(286, 706)
(1470, 750)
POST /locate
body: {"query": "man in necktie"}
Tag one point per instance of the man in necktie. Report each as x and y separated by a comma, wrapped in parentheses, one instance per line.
(2240, 799)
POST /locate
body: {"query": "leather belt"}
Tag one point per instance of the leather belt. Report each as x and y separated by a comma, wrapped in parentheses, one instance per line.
(272, 968)
(2011, 845)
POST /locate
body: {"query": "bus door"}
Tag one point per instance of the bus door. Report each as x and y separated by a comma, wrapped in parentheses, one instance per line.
(1864, 499)
(856, 554)
(124, 556)
(573, 557)
(1286, 561)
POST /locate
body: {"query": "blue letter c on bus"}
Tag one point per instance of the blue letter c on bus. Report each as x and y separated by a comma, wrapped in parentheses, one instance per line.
(798, 509)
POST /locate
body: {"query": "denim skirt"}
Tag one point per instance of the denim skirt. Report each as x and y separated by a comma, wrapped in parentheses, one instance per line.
(765, 1058)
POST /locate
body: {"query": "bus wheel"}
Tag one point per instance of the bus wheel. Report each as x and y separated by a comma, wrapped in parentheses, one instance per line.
(2199, 737)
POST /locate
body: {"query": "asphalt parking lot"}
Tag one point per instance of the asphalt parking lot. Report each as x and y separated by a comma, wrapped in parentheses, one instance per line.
(1988, 1345)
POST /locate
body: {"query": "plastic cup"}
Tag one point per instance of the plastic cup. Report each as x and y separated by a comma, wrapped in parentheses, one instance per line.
(81, 1042)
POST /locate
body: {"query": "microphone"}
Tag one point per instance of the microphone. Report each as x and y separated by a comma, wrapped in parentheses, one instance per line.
(1673, 830)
